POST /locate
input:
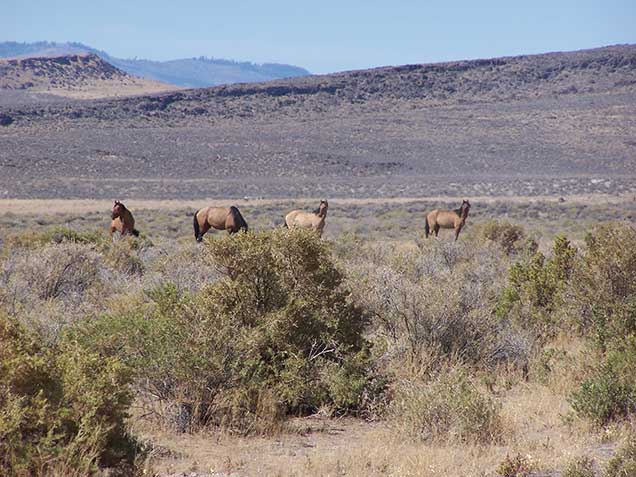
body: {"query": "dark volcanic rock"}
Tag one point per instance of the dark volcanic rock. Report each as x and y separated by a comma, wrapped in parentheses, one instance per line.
(5, 120)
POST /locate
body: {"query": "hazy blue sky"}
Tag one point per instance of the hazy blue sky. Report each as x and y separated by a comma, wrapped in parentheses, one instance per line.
(324, 35)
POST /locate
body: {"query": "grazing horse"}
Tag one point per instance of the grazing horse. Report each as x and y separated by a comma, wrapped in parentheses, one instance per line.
(123, 220)
(447, 219)
(308, 220)
(219, 218)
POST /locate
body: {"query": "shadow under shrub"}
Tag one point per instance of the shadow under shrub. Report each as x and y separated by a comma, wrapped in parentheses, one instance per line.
(276, 334)
(62, 409)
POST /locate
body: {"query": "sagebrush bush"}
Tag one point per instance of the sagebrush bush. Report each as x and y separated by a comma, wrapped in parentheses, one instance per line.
(65, 270)
(609, 393)
(62, 409)
(601, 297)
(535, 288)
(448, 407)
(436, 300)
(512, 238)
(31, 240)
(276, 334)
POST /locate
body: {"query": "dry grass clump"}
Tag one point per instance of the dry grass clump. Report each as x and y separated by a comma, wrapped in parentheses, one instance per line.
(446, 407)
(623, 463)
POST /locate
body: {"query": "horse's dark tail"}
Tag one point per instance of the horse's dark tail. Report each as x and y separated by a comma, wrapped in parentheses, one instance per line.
(196, 227)
(427, 229)
(240, 221)
(135, 232)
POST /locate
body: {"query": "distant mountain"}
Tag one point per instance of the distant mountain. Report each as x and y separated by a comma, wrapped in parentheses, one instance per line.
(187, 72)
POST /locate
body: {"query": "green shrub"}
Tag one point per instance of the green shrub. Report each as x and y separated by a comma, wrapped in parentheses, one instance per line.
(623, 463)
(62, 410)
(448, 406)
(610, 392)
(276, 334)
(601, 298)
(535, 288)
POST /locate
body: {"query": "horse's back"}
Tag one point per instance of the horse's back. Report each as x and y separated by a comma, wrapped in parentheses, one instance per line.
(431, 216)
(217, 217)
(447, 219)
(291, 219)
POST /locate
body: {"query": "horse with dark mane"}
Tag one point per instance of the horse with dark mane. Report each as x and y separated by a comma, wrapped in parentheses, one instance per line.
(123, 220)
(309, 220)
(447, 219)
(219, 218)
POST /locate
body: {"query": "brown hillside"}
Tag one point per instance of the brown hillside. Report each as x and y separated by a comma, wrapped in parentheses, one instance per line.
(552, 124)
(73, 76)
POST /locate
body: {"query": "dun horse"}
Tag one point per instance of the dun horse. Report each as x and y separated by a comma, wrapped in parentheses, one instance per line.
(309, 220)
(447, 219)
(123, 220)
(219, 218)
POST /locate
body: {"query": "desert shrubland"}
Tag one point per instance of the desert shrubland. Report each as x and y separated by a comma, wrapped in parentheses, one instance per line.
(243, 334)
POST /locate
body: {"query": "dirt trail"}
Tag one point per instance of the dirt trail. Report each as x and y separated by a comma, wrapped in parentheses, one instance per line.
(79, 206)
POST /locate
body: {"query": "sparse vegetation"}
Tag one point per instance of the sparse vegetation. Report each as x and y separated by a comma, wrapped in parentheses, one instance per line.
(623, 463)
(433, 340)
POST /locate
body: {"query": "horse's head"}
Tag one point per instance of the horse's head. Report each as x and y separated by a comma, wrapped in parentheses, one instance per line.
(322, 209)
(465, 208)
(118, 208)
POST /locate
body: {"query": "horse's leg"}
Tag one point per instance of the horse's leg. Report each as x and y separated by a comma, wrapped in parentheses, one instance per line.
(436, 230)
(204, 229)
(458, 228)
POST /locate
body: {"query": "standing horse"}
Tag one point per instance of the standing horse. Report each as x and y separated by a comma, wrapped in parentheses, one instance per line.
(308, 220)
(123, 220)
(447, 219)
(218, 218)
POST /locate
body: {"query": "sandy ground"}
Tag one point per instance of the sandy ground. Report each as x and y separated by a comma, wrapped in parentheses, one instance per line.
(53, 206)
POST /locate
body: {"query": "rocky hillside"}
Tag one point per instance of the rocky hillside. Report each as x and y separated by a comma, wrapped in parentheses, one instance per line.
(186, 72)
(561, 123)
(603, 70)
(75, 76)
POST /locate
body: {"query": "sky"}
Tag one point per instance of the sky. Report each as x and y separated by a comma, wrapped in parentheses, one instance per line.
(326, 35)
